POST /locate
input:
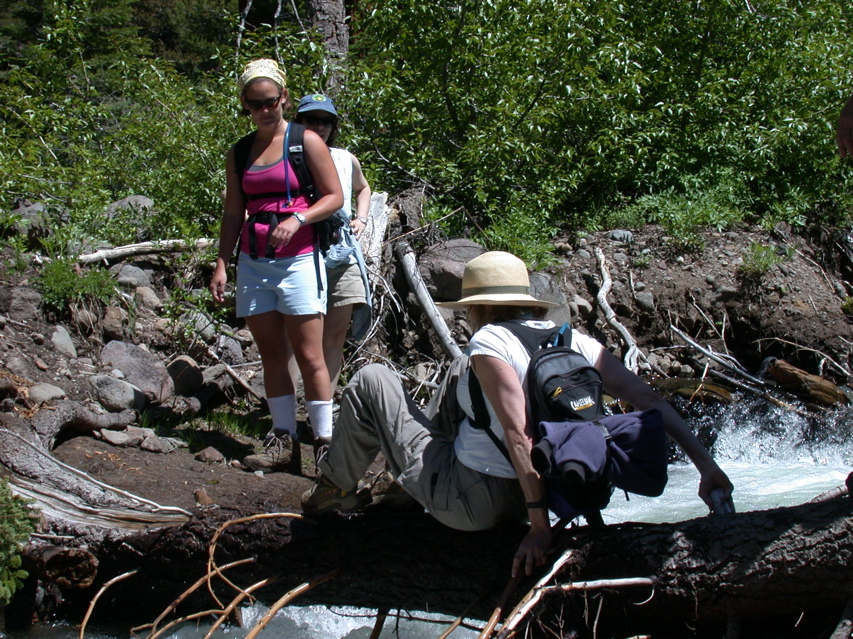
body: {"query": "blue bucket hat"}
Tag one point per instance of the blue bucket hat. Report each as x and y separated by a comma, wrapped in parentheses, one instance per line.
(316, 102)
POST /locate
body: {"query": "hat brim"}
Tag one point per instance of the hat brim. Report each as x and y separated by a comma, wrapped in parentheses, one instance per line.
(507, 299)
(317, 106)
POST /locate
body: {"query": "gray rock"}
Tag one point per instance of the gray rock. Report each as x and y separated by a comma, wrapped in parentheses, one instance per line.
(645, 301)
(112, 323)
(202, 324)
(140, 368)
(441, 267)
(229, 350)
(43, 393)
(61, 340)
(543, 287)
(186, 375)
(621, 235)
(585, 308)
(120, 438)
(116, 395)
(640, 286)
(19, 366)
(210, 455)
(154, 444)
(24, 305)
(147, 298)
(32, 221)
(140, 432)
(583, 253)
(130, 276)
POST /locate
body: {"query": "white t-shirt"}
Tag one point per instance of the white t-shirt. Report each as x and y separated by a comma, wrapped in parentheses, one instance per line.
(473, 446)
(343, 163)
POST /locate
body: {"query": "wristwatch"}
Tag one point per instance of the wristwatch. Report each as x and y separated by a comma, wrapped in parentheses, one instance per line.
(299, 218)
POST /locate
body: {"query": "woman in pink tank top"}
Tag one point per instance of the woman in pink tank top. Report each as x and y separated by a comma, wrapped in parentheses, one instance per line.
(280, 293)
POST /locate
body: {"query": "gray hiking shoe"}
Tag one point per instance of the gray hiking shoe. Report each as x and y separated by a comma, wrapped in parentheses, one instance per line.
(321, 447)
(281, 454)
(324, 497)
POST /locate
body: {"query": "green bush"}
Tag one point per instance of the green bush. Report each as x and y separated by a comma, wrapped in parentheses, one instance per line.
(63, 284)
(16, 524)
(697, 113)
(758, 260)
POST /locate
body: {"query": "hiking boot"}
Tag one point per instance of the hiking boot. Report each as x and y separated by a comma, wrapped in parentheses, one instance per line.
(321, 447)
(324, 497)
(388, 493)
(281, 454)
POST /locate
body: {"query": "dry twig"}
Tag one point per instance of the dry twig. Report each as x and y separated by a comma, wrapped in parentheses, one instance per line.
(97, 596)
(211, 564)
(173, 606)
(287, 598)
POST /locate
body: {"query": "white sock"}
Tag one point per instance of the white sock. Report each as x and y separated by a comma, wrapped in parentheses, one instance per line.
(320, 414)
(283, 411)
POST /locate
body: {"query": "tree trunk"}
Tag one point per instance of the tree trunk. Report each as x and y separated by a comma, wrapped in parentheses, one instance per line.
(707, 571)
(329, 18)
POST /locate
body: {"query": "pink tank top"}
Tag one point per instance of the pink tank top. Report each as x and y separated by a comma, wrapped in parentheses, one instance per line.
(270, 179)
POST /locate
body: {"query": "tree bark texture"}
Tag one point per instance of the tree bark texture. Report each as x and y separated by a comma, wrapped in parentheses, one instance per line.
(329, 18)
(707, 571)
(65, 567)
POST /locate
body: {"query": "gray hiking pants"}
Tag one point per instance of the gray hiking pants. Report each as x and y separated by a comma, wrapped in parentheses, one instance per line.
(377, 414)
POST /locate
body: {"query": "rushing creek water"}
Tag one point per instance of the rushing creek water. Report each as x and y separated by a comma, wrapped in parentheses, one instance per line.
(773, 456)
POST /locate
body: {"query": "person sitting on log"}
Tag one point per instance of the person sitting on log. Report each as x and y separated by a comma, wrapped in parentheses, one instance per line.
(452, 469)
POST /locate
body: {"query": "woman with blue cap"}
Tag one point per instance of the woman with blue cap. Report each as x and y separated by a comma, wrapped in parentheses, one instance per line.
(346, 274)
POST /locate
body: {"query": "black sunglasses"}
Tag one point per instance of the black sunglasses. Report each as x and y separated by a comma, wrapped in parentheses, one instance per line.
(269, 103)
(315, 120)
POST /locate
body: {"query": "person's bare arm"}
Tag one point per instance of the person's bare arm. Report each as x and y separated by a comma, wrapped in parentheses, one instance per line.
(622, 383)
(362, 197)
(233, 217)
(501, 387)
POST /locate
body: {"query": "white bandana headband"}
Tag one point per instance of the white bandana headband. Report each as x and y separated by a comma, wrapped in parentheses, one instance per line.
(263, 68)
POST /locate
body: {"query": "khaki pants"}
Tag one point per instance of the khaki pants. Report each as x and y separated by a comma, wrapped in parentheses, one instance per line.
(377, 414)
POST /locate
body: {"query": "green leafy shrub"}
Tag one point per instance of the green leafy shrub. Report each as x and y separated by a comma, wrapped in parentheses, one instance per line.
(16, 524)
(62, 283)
(758, 260)
(847, 306)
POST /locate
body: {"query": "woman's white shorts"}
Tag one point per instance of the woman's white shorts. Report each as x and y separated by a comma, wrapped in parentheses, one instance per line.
(287, 285)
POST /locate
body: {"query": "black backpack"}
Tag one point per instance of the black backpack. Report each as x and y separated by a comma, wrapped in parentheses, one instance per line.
(326, 232)
(561, 387)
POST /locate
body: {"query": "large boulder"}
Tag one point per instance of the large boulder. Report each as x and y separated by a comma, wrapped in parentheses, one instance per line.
(140, 368)
(441, 267)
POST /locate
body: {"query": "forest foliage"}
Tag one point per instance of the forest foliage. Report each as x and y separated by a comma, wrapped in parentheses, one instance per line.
(527, 117)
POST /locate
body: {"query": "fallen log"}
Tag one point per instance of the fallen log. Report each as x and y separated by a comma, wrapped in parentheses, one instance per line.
(65, 567)
(413, 276)
(144, 248)
(746, 566)
(812, 389)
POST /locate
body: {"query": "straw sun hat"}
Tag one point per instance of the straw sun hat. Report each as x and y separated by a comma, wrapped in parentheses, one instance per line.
(496, 279)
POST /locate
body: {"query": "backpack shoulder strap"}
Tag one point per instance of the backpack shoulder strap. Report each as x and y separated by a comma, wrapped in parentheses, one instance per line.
(481, 419)
(241, 155)
(295, 152)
